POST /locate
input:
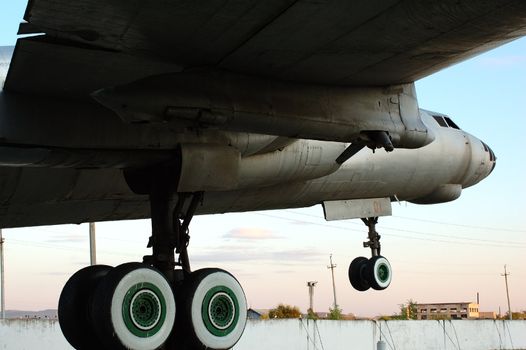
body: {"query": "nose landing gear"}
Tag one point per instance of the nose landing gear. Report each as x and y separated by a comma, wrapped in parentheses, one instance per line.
(373, 273)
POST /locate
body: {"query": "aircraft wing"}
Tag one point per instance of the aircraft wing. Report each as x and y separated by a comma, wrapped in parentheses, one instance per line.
(91, 44)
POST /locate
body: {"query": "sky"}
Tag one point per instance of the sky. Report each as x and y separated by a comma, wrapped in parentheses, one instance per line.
(440, 253)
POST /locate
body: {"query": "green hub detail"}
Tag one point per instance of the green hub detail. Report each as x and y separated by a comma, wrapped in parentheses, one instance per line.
(144, 309)
(220, 311)
(383, 273)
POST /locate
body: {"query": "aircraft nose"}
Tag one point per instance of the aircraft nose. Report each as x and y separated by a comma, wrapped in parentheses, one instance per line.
(491, 155)
(481, 162)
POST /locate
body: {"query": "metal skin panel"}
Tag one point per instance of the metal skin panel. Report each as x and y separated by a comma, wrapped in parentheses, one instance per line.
(39, 196)
(339, 42)
(356, 208)
(443, 193)
(219, 99)
(64, 71)
(302, 160)
(208, 168)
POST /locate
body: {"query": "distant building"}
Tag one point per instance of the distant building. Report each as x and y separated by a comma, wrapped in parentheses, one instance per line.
(487, 315)
(253, 314)
(256, 314)
(454, 311)
(322, 315)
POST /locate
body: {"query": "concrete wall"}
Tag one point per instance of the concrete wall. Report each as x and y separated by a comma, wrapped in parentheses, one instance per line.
(328, 335)
(31, 335)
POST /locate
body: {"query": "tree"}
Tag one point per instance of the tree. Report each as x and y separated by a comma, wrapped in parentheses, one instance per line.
(335, 314)
(285, 311)
(515, 316)
(311, 315)
(408, 310)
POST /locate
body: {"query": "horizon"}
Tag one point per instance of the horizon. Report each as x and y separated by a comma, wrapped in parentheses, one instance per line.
(439, 253)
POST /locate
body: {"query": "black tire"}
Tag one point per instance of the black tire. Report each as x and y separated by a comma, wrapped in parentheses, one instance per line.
(73, 307)
(356, 274)
(212, 311)
(379, 273)
(133, 308)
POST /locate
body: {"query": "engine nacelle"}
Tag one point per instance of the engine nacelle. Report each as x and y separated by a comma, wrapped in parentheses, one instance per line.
(233, 102)
(443, 193)
(211, 167)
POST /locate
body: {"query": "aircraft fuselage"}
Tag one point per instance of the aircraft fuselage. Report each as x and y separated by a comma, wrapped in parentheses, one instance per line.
(69, 169)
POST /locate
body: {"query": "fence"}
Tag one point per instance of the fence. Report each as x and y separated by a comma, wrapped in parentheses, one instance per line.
(319, 335)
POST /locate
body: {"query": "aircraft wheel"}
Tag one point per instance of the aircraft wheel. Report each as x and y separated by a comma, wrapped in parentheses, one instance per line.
(73, 315)
(356, 274)
(212, 310)
(378, 272)
(133, 308)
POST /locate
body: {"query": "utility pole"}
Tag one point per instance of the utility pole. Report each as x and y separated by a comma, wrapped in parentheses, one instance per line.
(506, 274)
(332, 267)
(311, 285)
(2, 288)
(92, 244)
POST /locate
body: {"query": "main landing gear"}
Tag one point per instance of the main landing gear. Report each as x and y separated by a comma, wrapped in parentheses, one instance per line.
(159, 303)
(373, 273)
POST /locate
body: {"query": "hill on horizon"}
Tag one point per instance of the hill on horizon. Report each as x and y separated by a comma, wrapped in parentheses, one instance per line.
(23, 314)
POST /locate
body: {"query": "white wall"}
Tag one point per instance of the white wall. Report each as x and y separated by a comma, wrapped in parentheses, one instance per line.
(31, 335)
(300, 334)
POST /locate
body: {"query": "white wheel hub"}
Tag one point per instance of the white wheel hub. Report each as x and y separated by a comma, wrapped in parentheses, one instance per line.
(382, 272)
(143, 310)
(219, 311)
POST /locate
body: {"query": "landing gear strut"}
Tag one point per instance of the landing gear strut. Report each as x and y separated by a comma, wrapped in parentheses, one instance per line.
(373, 273)
(159, 303)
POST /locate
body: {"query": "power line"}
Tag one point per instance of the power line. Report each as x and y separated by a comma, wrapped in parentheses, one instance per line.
(421, 220)
(455, 239)
(57, 247)
(493, 245)
(461, 225)
(430, 221)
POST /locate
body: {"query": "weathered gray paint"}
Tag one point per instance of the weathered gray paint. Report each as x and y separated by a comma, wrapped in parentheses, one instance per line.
(33, 196)
(357, 208)
(218, 99)
(360, 42)
(264, 90)
(303, 334)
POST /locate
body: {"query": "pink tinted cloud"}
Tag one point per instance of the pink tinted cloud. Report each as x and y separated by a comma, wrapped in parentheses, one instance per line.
(251, 233)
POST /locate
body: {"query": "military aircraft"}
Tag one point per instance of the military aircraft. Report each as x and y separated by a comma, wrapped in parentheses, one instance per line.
(115, 110)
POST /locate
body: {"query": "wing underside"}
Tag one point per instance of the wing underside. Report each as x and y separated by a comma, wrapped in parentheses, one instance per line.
(352, 43)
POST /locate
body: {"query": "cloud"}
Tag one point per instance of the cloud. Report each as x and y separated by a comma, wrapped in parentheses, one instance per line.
(503, 61)
(67, 238)
(244, 254)
(250, 233)
(52, 273)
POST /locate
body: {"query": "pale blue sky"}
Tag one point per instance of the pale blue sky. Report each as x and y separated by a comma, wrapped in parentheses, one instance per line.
(440, 253)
